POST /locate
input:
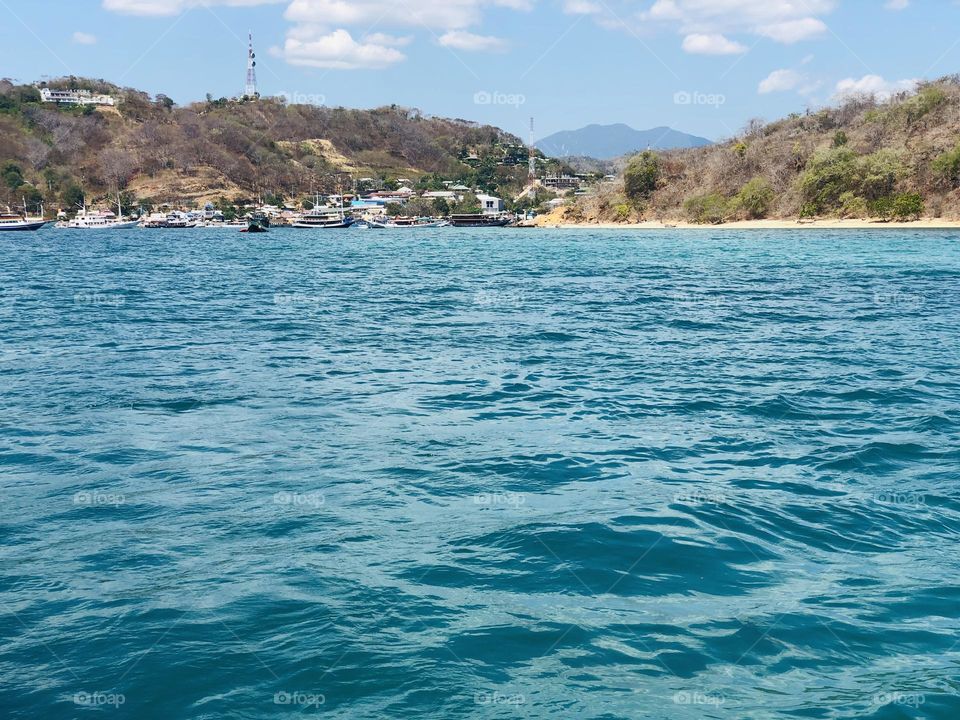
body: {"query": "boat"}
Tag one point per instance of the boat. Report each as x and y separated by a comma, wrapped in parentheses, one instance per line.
(96, 220)
(13, 222)
(477, 220)
(323, 218)
(257, 225)
(403, 222)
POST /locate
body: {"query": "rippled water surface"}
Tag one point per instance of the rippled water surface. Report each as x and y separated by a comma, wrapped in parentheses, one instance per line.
(480, 474)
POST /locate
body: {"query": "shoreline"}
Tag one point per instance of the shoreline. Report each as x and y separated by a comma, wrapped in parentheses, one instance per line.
(828, 224)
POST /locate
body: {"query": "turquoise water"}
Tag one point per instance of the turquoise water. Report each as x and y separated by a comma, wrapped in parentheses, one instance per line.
(480, 474)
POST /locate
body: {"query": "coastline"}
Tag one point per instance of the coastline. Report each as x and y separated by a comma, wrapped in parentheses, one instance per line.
(827, 224)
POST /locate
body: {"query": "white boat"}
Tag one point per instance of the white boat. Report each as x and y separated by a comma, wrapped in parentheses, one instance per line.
(14, 222)
(94, 220)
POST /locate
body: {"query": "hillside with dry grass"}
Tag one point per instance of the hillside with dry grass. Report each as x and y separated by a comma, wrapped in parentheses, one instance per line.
(897, 158)
(155, 152)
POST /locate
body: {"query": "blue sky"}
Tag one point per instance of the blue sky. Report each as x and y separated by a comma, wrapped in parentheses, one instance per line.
(700, 66)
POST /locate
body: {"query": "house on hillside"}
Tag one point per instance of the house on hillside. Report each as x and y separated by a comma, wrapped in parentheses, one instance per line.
(490, 205)
(74, 97)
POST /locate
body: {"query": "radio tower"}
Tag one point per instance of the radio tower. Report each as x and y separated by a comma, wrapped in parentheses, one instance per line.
(532, 170)
(251, 89)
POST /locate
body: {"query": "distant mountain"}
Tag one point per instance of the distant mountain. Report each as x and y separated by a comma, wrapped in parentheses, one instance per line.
(609, 141)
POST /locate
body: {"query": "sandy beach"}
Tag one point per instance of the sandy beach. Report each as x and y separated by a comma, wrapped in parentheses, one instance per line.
(826, 224)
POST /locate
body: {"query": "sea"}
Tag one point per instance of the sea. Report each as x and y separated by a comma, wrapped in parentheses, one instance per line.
(488, 473)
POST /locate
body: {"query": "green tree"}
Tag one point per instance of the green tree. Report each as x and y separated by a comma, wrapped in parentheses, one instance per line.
(947, 168)
(73, 197)
(641, 176)
(12, 175)
(755, 198)
(840, 139)
(908, 206)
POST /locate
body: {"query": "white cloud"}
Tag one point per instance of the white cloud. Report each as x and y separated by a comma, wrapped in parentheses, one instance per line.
(872, 85)
(582, 7)
(713, 44)
(82, 38)
(793, 31)
(388, 40)
(448, 15)
(897, 4)
(460, 40)
(784, 21)
(313, 47)
(172, 7)
(780, 81)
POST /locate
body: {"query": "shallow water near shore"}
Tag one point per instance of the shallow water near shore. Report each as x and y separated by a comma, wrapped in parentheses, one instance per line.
(484, 473)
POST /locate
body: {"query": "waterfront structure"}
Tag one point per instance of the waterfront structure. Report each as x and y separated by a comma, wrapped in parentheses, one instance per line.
(490, 205)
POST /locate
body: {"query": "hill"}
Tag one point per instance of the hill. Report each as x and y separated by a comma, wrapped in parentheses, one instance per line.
(605, 142)
(867, 158)
(233, 150)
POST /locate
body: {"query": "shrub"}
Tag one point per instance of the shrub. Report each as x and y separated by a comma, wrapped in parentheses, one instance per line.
(621, 212)
(908, 206)
(641, 176)
(711, 208)
(755, 198)
(881, 208)
(878, 174)
(947, 168)
(829, 174)
(853, 206)
(840, 139)
(740, 150)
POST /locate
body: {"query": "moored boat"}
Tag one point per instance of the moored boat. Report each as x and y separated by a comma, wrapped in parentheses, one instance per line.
(323, 218)
(404, 222)
(10, 221)
(479, 220)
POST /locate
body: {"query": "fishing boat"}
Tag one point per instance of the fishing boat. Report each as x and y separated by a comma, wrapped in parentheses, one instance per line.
(14, 221)
(405, 222)
(257, 224)
(323, 218)
(479, 220)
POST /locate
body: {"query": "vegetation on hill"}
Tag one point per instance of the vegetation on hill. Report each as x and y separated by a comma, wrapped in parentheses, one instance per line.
(236, 151)
(897, 158)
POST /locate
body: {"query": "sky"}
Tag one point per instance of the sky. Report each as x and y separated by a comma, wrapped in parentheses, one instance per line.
(700, 66)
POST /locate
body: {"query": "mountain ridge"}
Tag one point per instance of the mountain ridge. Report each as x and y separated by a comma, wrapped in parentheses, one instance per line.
(606, 142)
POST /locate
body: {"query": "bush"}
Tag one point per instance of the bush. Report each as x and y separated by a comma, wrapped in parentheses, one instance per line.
(881, 208)
(908, 206)
(840, 139)
(853, 206)
(621, 212)
(755, 198)
(829, 174)
(641, 176)
(711, 208)
(878, 174)
(947, 168)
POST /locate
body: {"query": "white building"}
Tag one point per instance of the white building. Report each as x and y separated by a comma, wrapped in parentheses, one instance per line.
(490, 205)
(74, 97)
